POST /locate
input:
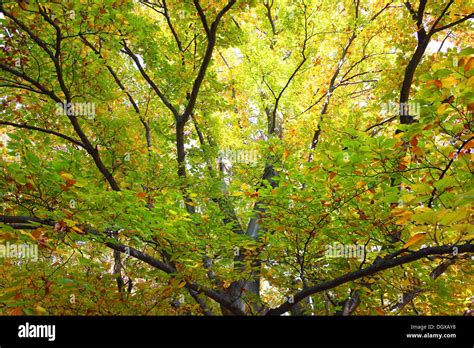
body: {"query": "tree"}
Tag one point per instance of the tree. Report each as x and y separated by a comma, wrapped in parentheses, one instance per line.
(236, 157)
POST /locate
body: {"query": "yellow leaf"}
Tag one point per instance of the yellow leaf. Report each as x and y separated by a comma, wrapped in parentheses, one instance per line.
(470, 236)
(7, 236)
(462, 228)
(470, 81)
(453, 216)
(408, 198)
(40, 310)
(245, 187)
(77, 229)
(414, 239)
(449, 82)
(403, 215)
(28, 234)
(105, 264)
(398, 211)
(442, 108)
(405, 160)
(403, 219)
(66, 176)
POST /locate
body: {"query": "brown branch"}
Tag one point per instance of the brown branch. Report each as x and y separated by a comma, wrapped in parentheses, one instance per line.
(48, 131)
(381, 265)
(23, 27)
(164, 11)
(202, 17)
(381, 123)
(112, 72)
(84, 140)
(27, 78)
(59, 74)
(152, 84)
(115, 245)
(268, 5)
(447, 26)
(445, 170)
(211, 41)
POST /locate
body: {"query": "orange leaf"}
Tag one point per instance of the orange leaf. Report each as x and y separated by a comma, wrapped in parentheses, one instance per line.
(16, 311)
(414, 239)
(469, 65)
(416, 150)
(167, 291)
(403, 215)
(69, 183)
(436, 83)
(141, 194)
(36, 233)
(469, 144)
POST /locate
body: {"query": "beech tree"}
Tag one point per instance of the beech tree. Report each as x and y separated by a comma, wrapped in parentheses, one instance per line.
(230, 157)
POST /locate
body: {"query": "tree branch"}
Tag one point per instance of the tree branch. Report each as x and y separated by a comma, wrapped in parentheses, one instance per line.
(115, 245)
(381, 265)
(202, 17)
(211, 42)
(152, 84)
(25, 126)
(114, 75)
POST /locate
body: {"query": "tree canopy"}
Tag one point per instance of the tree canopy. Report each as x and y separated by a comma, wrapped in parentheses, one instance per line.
(230, 157)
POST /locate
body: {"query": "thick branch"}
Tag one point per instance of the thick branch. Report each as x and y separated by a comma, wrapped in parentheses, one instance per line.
(211, 42)
(383, 264)
(115, 245)
(452, 24)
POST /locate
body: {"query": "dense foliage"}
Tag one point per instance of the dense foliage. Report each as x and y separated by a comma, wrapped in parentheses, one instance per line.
(180, 157)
